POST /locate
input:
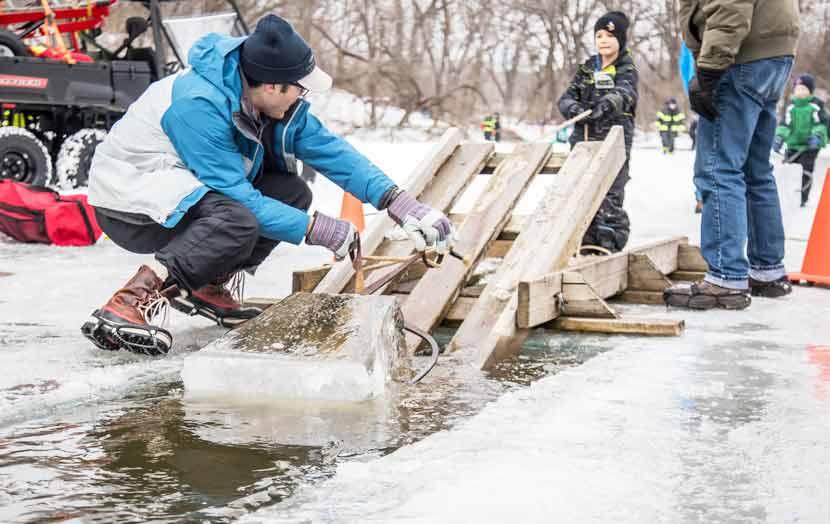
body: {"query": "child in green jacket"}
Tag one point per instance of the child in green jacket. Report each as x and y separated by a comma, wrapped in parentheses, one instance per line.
(804, 131)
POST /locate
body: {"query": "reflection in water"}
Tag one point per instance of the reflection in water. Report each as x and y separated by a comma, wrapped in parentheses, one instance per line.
(156, 456)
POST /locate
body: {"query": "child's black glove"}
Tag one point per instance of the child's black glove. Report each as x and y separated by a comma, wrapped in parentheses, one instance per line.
(702, 91)
(603, 109)
(575, 109)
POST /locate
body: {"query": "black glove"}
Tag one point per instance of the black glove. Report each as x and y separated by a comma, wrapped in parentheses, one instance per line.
(603, 109)
(703, 93)
(574, 110)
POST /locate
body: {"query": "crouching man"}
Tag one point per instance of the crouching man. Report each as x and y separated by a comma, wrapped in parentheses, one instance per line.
(201, 174)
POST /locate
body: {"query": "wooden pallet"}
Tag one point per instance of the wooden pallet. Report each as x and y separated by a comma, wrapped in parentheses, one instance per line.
(539, 282)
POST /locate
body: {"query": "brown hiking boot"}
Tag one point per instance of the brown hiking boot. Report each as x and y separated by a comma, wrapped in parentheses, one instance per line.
(705, 295)
(126, 320)
(220, 301)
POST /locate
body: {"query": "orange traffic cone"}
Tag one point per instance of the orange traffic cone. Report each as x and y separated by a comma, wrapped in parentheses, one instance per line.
(816, 266)
(352, 210)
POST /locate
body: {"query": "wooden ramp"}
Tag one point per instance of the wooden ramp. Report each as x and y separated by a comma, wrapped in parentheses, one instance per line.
(538, 282)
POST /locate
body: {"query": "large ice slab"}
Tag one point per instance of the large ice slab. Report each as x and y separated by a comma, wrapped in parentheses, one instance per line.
(306, 347)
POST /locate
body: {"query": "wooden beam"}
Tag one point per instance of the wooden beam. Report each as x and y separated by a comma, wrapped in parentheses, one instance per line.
(690, 259)
(510, 231)
(545, 245)
(538, 303)
(447, 186)
(625, 326)
(604, 277)
(581, 299)
(372, 236)
(498, 248)
(434, 293)
(654, 298)
(553, 164)
(643, 274)
(687, 276)
(304, 281)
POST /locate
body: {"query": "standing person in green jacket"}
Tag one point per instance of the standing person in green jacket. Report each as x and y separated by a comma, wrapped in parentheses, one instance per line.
(744, 51)
(803, 131)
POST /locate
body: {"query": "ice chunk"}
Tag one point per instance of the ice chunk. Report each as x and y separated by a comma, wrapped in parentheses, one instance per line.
(309, 347)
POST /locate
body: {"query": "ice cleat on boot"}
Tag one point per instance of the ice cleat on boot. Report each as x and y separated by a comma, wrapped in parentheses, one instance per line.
(127, 320)
(705, 295)
(220, 301)
(773, 289)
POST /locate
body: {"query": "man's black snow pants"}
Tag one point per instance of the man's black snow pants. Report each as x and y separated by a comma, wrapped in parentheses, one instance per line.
(217, 236)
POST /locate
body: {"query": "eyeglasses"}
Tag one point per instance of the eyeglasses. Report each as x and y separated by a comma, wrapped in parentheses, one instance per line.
(303, 90)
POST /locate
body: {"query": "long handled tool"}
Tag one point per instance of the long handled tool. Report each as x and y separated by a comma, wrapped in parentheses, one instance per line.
(569, 122)
(405, 262)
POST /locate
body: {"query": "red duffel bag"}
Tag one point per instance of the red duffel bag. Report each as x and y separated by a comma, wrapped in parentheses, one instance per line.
(38, 214)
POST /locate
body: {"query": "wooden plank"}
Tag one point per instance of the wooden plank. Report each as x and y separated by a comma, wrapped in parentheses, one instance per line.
(643, 274)
(606, 276)
(306, 280)
(372, 236)
(436, 290)
(442, 192)
(687, 276)
(690, 259)
(538, 303)
(498, 248)
(545, 245)
(510, 231)
(642, 297)
(581, 299)
(625, 326)
(459, 311)
(553, 164)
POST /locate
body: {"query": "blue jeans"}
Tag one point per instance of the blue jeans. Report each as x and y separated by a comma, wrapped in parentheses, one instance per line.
(742, 233)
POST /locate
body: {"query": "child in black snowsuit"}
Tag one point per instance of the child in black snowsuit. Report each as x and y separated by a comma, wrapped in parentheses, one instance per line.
(607, 85)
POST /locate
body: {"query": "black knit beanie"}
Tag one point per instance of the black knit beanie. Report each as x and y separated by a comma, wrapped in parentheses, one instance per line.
(616, 23)
(807, 81)
(275, 53)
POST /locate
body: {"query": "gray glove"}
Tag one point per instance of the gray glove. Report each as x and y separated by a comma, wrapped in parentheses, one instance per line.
(426, 227)
(340, 236)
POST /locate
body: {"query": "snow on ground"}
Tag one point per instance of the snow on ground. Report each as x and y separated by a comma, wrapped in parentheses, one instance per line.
(728, 422)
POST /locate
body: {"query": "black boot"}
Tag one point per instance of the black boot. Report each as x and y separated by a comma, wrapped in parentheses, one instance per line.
(705, 295)
(773, 289)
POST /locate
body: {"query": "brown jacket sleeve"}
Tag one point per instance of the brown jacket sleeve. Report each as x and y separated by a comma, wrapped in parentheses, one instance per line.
(728, 23)
(724, 32)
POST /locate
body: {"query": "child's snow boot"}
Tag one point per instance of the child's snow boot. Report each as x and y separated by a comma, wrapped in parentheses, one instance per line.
(126, 321)
(220, 301)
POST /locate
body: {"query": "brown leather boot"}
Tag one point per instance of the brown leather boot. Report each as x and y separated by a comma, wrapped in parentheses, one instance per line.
(126, 320)
(220, 301)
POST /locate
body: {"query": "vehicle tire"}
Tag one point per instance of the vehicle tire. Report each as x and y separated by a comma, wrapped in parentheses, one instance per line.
(11, 45)
(75, 157)
(23, 157)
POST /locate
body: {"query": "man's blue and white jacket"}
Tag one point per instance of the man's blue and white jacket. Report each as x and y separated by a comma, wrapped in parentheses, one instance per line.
(180, 139)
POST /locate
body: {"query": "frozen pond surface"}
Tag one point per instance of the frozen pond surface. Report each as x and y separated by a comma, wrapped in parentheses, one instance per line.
(730, 422)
